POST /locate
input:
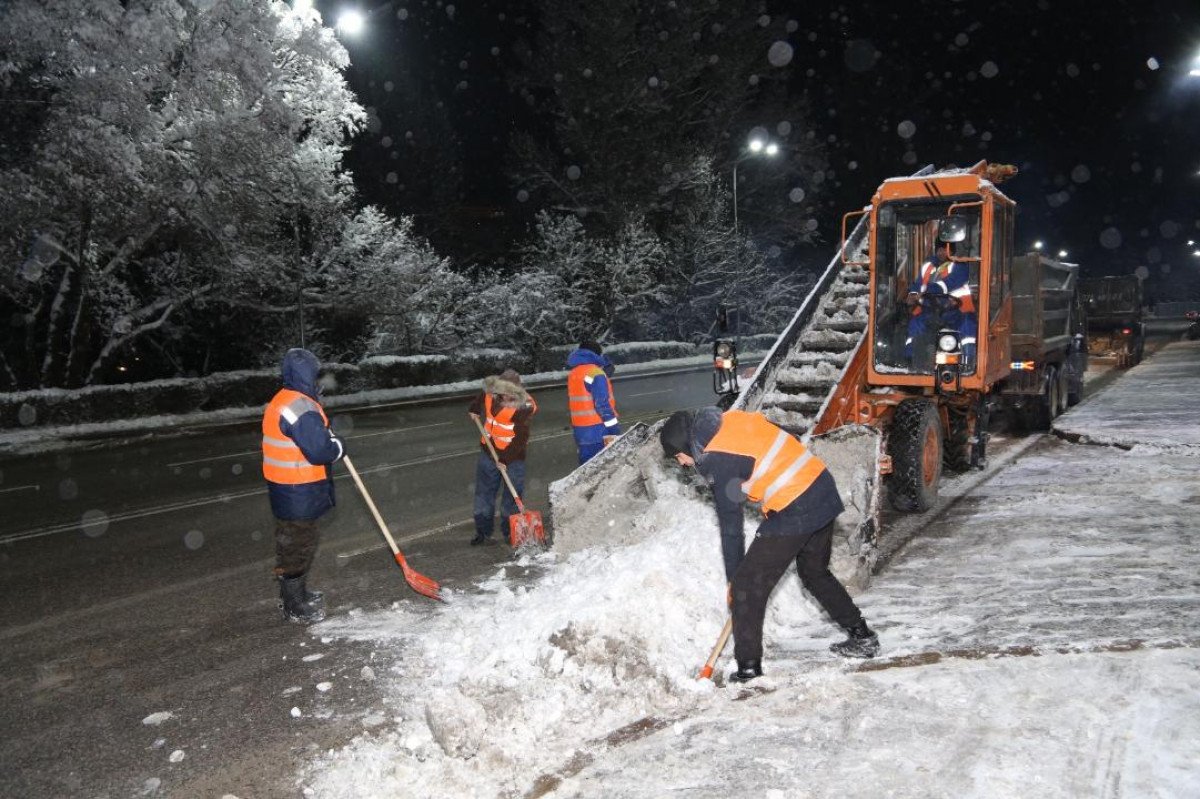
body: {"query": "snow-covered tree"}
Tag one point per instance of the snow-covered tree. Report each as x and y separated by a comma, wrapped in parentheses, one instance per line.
(170, 154)
(414, 302)
(710, 265)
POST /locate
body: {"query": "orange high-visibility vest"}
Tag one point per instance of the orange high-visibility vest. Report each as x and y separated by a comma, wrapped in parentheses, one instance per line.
(579, 398)
(500, 426)
(283, 462)
(783, 467)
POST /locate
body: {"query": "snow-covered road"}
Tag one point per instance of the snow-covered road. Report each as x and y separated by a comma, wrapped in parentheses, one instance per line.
(1041, 639)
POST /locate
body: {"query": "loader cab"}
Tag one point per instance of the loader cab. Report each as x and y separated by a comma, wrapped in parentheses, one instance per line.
(927, 256)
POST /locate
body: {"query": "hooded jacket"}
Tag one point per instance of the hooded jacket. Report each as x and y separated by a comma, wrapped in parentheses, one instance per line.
(601, 397)
(495, 385)
(306, 501)
(819, 505)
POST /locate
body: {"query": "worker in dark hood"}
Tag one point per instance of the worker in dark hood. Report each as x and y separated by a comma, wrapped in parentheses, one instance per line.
(298, 448)
(590, 400)
(744, 456)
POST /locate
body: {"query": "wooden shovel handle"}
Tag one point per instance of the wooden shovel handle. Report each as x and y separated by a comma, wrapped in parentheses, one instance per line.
(362, 489)
(722, 639)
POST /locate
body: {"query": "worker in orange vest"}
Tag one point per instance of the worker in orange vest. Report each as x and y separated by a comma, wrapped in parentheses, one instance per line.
(505, 410)
(298, 448)
(943, 287)
(590, 400)
(745, 457)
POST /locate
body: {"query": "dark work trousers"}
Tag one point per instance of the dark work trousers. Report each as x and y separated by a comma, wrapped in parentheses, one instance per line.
(488, 481)
(765, 562)
(295, 546)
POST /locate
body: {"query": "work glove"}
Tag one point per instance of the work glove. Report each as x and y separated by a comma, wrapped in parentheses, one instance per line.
(608, 440)
(341, 447)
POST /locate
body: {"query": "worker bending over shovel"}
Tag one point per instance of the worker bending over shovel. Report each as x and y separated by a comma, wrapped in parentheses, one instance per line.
(743, 456)
(505, 410)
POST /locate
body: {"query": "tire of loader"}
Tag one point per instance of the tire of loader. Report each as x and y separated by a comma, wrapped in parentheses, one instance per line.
(915, 446)
(1063, 392)
(958, 446)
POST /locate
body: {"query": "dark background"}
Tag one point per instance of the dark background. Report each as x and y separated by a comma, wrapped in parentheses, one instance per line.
(1106, 144)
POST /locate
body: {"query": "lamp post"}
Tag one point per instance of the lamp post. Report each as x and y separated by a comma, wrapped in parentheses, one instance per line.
(755, 147)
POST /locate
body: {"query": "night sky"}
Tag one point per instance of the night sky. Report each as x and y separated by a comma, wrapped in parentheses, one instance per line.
(1091, 100)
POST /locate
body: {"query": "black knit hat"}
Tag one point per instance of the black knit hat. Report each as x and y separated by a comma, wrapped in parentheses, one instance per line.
(676, 434)
(589, 344)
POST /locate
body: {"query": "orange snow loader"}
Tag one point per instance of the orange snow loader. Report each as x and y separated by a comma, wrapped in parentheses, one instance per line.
(923, 386)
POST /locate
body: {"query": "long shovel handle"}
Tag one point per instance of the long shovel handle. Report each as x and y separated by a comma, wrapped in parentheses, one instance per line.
(503, 472)
(417, 581)
(707, 672)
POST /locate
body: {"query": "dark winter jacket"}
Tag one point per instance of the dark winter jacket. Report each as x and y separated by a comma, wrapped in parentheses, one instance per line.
(496, 386)
(601, 398)
(318, 443)
(807, 513)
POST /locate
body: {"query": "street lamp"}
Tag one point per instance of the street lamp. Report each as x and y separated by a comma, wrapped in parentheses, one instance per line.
(350, 22)
(1062, 253)
(1037, 245)
(754, 147)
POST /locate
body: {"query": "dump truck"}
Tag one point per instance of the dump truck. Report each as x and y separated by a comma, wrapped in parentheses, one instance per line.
(883, 404)
(1115, 325)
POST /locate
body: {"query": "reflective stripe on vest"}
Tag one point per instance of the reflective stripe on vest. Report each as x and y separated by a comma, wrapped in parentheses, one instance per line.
(283, 462)
(966, 302)
(783, 467)
(501, 427)
(579, 398)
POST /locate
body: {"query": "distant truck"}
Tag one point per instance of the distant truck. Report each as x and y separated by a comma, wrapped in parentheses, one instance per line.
(1115, 325)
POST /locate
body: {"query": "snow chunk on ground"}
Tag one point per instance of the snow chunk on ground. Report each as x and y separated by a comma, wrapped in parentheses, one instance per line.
(154, 719)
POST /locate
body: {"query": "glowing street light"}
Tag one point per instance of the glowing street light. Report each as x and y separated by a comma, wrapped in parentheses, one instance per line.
(755, 146)
(1062, 253)
(350, 22)
(1037, 245)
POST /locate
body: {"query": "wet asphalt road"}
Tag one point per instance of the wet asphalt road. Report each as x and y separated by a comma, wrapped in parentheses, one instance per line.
(136, 580)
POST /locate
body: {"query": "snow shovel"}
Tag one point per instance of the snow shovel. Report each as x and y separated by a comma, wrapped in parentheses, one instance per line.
(524, 526)
(707, 672)
(419, 582)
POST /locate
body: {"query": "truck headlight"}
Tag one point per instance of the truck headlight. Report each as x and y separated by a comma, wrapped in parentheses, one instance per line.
(947, 342)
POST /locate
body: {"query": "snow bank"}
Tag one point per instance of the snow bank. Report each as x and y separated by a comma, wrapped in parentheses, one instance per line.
(507, 684)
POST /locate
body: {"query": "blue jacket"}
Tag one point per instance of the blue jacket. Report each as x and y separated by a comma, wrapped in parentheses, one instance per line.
(306, 501)
(601, 397)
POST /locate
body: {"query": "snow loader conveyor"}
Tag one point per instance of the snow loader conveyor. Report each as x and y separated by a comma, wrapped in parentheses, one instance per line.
(793, 387)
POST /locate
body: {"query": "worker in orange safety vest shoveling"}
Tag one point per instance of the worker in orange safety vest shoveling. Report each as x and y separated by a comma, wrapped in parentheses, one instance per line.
(298, 450)
(504, 410)
(743, 456)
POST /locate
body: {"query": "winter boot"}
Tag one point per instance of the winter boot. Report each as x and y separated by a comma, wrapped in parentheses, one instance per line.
(313, 597)
(747, 671)
(294, 602)
(862, 643)
(486, 540)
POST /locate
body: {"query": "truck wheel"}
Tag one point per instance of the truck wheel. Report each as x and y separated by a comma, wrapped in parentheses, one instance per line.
(1043, 409)
(1063, 393)
(915, 446)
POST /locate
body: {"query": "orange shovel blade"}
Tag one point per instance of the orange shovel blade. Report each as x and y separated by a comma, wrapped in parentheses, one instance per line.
(418, 582)
(526, 528)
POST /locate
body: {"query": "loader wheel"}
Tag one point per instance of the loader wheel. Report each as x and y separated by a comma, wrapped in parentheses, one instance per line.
(915, 446)
(1042, 411)
(958, 446)
(1063, 392)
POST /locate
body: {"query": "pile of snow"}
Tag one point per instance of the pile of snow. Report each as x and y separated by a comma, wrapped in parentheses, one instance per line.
(505, 684)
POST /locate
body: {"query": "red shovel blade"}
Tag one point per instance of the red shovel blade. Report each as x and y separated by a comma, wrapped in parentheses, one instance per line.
(426, 586)
(526, 528)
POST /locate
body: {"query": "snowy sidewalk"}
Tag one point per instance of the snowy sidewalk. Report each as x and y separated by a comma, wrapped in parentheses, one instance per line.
(1040, 639)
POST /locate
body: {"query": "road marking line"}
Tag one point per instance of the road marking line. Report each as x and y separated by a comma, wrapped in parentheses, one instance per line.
(66, 527)
(21, 488)
(348, 438)
(441, 528)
